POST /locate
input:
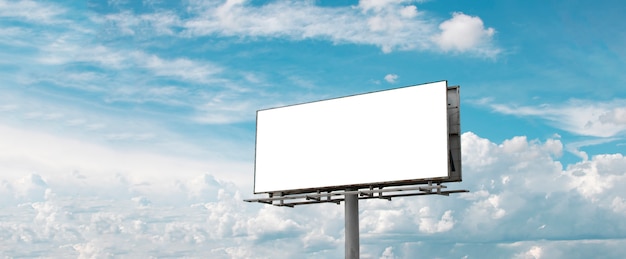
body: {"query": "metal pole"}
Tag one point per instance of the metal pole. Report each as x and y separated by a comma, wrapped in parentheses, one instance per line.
(352, 225)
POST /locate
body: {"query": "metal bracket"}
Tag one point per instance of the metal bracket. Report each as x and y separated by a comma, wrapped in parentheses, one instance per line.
(291, 200)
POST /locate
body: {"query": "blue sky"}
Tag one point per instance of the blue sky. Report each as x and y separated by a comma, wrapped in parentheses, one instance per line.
(128, 126)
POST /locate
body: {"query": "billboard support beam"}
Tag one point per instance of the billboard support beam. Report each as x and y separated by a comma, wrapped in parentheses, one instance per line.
(352, 225)
(291, 200)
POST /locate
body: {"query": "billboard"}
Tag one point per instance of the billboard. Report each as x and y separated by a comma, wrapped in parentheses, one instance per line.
(392, 137)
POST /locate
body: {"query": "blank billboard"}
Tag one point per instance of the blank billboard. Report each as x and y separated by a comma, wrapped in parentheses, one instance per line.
(380, 138)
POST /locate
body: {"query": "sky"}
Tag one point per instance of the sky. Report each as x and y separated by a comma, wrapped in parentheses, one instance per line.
(128, 127)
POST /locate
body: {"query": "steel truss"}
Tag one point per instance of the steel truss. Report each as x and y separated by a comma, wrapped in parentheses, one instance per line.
(337, 196)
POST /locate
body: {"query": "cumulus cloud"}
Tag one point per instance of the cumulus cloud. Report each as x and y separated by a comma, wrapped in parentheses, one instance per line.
(464, 33)
(593, 178)
(30, 188)
(388, 253)
(588, 184)
(429, 225)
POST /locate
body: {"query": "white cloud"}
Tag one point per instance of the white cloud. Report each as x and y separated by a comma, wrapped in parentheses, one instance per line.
(388, 253)
(29, 188)
(43, 116)
(31, 151)
(385, 220)
(67, 51)
(594, 177)
(429, 225)
(513, 156)
(391, 78)
(130, 136)
(30, 10)
(618, 204)
(378, 5)
(409, 11)
(533, 177)
(574, 147)
(587, 118)
(136, 84)
(391, 25)
(223, 109)
(8, 107)
(64, 50)
(615, 116)
(465, 33)
(535, 252)
(186, 69)
(13, 36)
(129, 76)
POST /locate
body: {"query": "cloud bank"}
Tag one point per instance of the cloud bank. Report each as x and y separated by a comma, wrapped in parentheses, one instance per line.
(523, 204)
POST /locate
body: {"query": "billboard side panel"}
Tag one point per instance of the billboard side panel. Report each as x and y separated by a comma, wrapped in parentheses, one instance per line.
(454, 133)
(386, 136)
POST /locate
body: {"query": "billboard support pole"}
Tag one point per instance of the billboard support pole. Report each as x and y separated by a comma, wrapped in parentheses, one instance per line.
(352, 225)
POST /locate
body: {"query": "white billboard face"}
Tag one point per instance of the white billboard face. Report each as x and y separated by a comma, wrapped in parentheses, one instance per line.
(382, 137)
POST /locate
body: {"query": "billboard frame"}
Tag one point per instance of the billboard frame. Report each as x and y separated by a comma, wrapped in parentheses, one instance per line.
(453, 145)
